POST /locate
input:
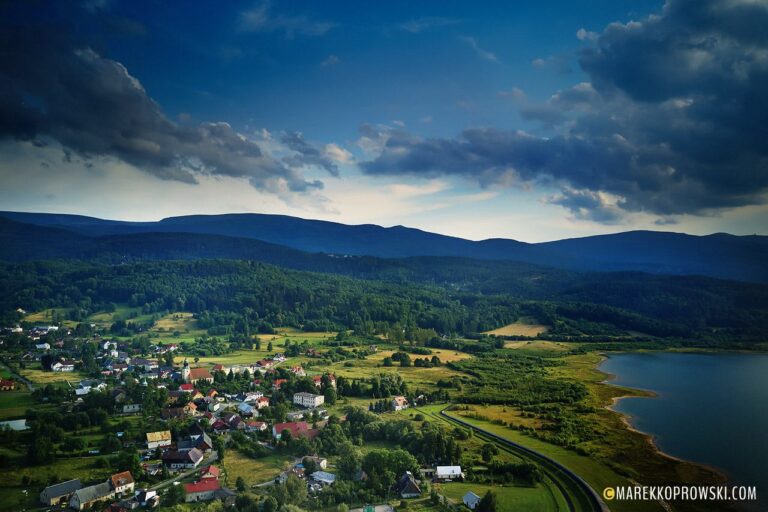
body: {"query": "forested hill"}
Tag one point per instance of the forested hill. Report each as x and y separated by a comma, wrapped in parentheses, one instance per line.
(719, 255)
(441, 293)
(222, 292)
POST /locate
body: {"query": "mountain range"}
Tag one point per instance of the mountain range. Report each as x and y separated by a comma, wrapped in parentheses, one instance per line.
(300, 242)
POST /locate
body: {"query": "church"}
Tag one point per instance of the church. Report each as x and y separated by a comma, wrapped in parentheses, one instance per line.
(195, 375)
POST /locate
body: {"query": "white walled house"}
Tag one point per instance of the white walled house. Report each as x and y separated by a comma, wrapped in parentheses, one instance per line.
(308, 400)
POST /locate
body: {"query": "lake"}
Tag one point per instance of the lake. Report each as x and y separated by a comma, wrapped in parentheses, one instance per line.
(710, 408)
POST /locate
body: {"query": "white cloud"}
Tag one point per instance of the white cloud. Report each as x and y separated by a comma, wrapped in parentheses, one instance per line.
(585, 35)
(261, 19)
(331, 60)
(338, 154)
(483, 54)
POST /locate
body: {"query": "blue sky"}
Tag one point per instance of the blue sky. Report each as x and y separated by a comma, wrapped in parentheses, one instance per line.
(527, 120)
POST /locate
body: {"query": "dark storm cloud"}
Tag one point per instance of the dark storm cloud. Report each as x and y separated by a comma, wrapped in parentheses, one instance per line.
(674, 120)
(306, 154)
(52, 87)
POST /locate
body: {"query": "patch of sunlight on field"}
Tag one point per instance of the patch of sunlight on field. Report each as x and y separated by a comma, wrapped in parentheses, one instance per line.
(176, 322)
(523, 327)
(547, 346)
(38, 376)
(445, 355)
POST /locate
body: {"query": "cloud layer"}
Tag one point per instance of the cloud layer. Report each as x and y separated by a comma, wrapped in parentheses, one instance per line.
(672, 121)
(52, 87)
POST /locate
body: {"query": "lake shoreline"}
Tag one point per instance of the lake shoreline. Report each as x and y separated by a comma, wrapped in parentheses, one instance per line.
(648, 393)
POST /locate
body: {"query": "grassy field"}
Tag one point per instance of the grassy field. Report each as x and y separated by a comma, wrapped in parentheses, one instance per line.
(182, 322)
(13, 404)
(538, 345)
(253, 471)
(523, 327)
(40, 377)
(508, 414)
(530, 499)
(417, 378)
(46, 316)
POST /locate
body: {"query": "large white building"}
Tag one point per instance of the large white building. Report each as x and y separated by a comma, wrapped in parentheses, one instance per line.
(308, 400)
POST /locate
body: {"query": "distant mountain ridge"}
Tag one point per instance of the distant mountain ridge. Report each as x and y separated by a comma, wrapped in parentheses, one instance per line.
(719, 255)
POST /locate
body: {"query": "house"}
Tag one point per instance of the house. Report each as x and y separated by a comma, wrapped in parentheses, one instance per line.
(308, 400)
(399, 403)
(262, 402)
(277, 384)
(210, 472)
(188, 459)
(203, 490)
(158, 439)
(147, 364)
(298, 371)
(448, 473)
(122, 483)
(296, 429)
(187, 387)
(86, 386)
(7, 385)
(131, 408)
(407, 487)
(88, 496)
(323, 477)
(471, 500)
(173, 413)
(318, 380)
(43, 346)
(255, 426)
(63, 366)
(119, 367)
(220, 426)
(220, 368)
(147, 498)
(245, 409)
(200, 441)
(294, 415)
(53, 495)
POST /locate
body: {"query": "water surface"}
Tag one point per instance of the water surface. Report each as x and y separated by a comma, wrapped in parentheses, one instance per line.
(710, 408)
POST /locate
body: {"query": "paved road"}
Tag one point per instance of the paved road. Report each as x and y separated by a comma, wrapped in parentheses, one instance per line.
(559, 474)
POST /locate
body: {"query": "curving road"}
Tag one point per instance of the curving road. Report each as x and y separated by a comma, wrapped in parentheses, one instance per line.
(579, 494)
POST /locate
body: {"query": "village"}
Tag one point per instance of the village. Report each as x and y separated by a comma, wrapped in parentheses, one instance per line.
(266, 405)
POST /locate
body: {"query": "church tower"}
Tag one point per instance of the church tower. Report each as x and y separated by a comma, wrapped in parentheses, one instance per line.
(185, 371)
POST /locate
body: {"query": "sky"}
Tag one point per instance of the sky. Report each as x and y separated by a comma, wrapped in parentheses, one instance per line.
(527, 120)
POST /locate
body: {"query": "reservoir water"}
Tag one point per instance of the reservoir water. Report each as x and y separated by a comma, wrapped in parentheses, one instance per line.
(710, 408)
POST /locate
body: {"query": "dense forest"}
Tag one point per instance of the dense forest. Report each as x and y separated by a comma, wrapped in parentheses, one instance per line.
(453, 297)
